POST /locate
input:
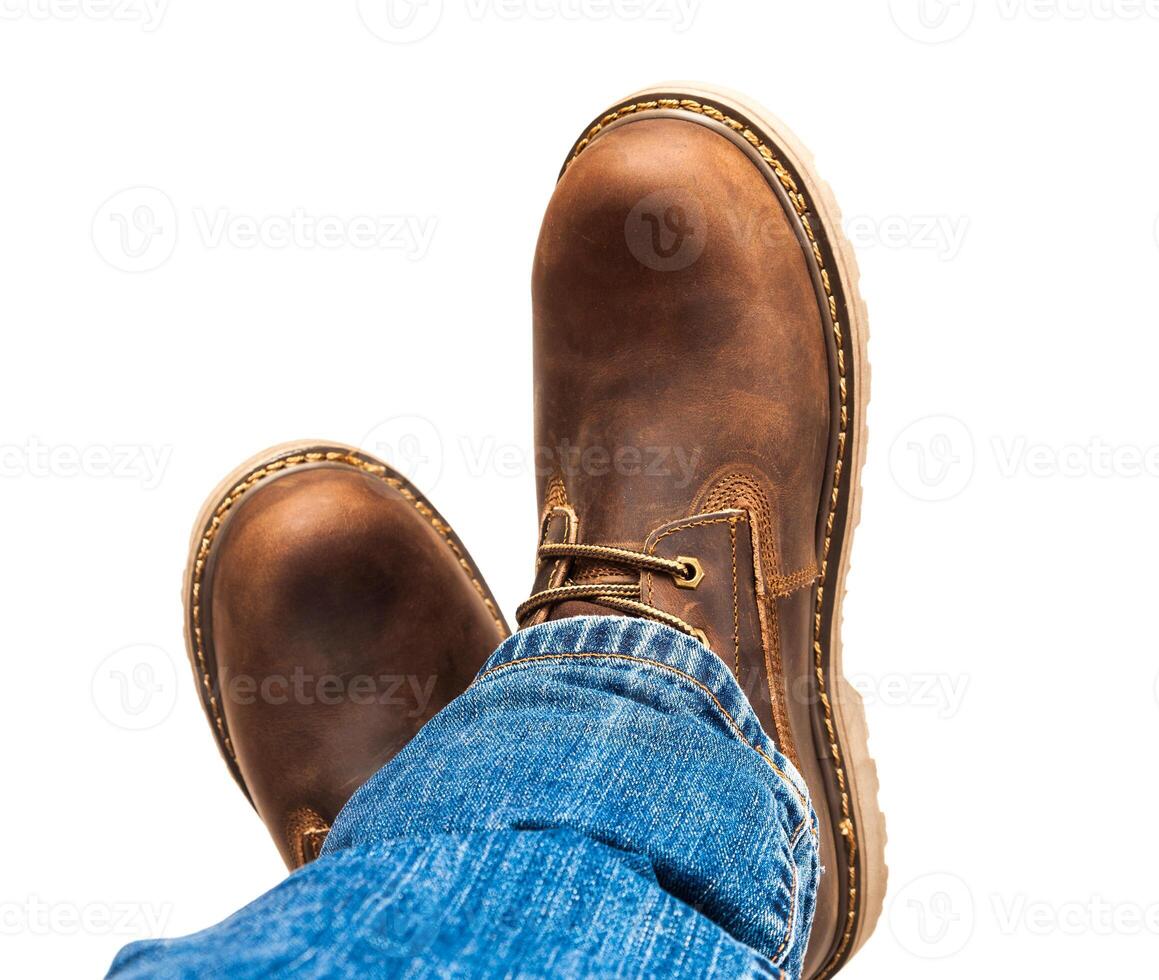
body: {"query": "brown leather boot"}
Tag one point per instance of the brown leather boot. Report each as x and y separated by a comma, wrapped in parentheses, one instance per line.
(330, 611)
(700, 393)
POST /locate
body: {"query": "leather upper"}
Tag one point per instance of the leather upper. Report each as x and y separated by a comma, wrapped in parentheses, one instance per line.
(340, 619)
(664, 392)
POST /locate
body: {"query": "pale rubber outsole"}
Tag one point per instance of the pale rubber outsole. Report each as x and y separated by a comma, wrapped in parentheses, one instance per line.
(847, 705)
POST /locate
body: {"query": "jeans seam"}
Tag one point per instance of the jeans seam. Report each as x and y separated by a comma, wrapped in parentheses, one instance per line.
(795, 839)
(791, 925)
(670, 669)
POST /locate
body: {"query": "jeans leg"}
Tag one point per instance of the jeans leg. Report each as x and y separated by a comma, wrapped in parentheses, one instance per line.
(601, 801)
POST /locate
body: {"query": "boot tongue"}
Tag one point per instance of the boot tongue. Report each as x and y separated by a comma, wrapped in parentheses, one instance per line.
(561, 526)
(616, 509)
(587, 572)
(565, 610)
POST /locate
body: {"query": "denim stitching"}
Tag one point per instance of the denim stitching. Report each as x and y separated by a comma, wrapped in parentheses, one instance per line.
(674, 670)
(791, 927)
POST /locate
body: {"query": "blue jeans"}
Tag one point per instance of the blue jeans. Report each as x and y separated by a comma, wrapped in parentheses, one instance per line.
(602, 801)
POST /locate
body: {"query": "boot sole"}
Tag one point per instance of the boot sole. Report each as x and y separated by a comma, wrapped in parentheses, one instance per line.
(852, 785)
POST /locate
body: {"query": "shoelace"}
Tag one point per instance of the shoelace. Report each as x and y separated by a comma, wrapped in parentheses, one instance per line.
(687, 573)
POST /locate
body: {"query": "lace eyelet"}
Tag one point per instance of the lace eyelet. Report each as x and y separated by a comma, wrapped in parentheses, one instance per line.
(694, 573)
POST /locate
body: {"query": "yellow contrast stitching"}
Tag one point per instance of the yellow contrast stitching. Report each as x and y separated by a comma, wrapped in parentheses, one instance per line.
(735, 599)
(673, 530)
(785, 585)
(801, 207)
(287, 462)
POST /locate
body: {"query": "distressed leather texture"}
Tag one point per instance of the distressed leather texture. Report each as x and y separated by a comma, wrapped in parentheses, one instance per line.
(338, 620)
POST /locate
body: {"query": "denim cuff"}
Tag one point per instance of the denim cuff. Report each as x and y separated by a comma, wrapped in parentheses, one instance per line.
(671, 654)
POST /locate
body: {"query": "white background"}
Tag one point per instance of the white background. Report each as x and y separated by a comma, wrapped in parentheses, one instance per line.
(1000, 187)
